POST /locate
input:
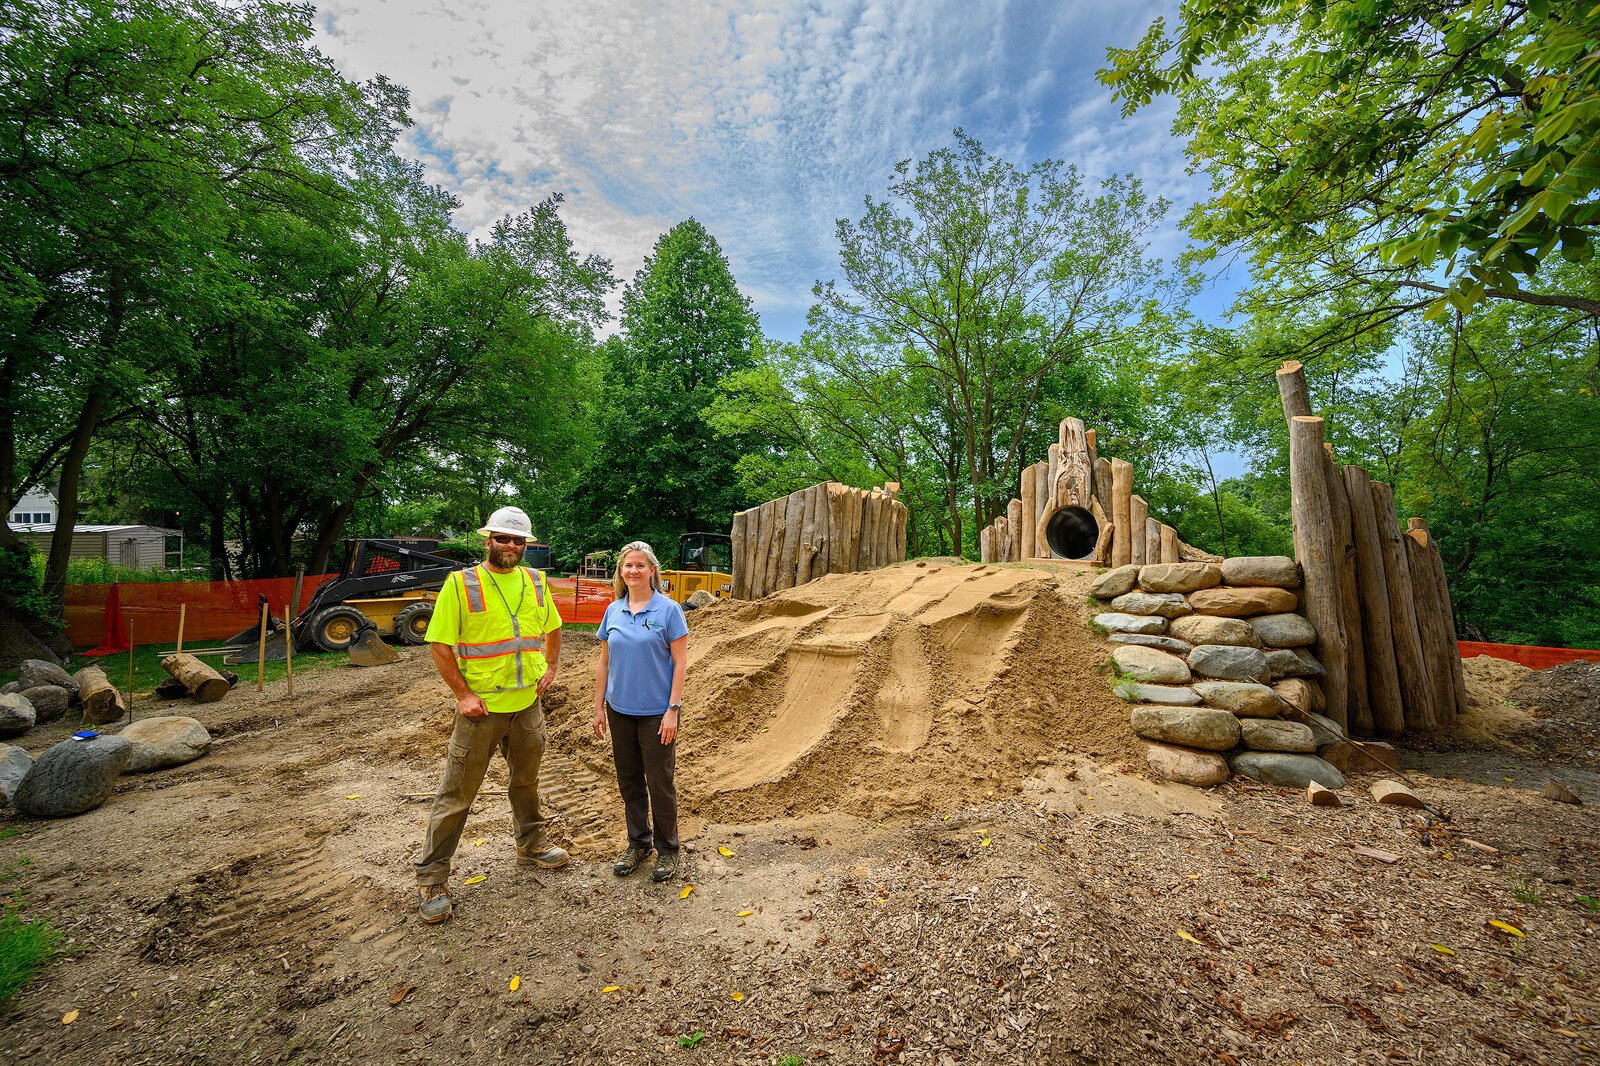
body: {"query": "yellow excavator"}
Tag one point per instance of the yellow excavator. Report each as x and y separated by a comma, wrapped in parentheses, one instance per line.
(705, 563)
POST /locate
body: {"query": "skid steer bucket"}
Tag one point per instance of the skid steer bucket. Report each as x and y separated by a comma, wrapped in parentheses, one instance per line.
(244, 646)
(368, 649)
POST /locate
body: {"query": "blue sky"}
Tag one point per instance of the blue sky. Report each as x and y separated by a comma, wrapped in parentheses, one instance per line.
(767, 122)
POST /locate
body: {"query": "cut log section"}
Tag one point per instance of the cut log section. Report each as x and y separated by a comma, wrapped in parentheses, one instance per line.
(1416, 684)
(1344, 549)
(1383, 671)
(1438, 644)
(102, 702)
(1121, 512)
(1029, 542)
(203, 683)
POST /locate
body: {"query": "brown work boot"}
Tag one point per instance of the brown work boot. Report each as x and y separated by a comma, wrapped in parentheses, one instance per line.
(666, 866)
(434, 903)
(548, 857)
(630, 860)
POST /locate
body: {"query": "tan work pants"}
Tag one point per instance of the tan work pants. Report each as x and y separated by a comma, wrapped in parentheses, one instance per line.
(520, 738)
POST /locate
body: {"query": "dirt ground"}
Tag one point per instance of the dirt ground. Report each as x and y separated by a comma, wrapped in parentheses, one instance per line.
(920, 834)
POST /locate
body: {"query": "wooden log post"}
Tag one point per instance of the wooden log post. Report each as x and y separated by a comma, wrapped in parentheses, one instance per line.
(1014, 521)
(819, 530)
(804, 552)
(858, 507)
(1292, 391)
(1075, 472)
(765, 520)
(203, 683)
(1029, 540)
(1377, 629)
(741, 572)
(1102, 484)
(1121, 512)
(986, 544)
(1102, 540)
(897, 546)
(1041, 499)
(1054, 452)
(867, 531)
(1435, 620)
(1169, 544)
(1360, 711)
(102, 703)
(1458, 680)
(1002, 539)
(789, 553)
(1416, 682)
(1094, 457)
(780, 523)
(1314, 548)
(1139, 522)
(838, 510)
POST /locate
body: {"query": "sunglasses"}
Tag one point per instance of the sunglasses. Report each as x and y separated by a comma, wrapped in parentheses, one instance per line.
(518, 541)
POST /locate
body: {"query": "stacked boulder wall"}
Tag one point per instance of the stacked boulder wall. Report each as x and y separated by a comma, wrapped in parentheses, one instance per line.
(914, 687)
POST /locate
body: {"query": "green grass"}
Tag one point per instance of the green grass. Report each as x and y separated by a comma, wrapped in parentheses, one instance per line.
(24, 947)
(147, 672)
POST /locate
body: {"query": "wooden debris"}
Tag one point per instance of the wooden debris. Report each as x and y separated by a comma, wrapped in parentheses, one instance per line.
(1394, 794)
(1322, 796)
(203, 683)
(1555, 790)
(102, 702)
(1374, 853)
(1477, 845)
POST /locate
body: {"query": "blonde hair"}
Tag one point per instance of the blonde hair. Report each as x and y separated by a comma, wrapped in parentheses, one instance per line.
(618, 587)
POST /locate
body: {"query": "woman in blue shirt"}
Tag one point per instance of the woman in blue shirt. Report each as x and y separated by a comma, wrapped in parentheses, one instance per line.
(638, 685)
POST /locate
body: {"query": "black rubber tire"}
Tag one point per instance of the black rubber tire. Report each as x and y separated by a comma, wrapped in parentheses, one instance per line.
(335, 627)
(411, 624)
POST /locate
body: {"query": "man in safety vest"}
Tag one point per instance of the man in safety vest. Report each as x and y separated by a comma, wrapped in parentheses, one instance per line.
(496, 639)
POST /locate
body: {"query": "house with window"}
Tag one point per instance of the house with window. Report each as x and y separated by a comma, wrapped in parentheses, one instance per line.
(141, 547)
(37, 507)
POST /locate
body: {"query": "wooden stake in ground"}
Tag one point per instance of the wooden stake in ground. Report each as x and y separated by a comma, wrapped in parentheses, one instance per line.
(101, 701)
(1169, 544)
(1292, 391)
(183, 613)
(1377, 629)
(130, 669)
(1416, 685)
(1121, 508)
(1438, 642)
(261, 652)
(288, 644)
(1030, 515)
(1458, 681)
(1102, 484)
(740, 571)
(1076, 471)
(1314, 548)
(203, 683)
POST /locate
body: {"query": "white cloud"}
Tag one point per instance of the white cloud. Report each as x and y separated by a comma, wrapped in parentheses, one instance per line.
(765, 121)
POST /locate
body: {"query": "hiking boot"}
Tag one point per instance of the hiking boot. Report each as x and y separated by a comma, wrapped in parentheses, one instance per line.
(629, 860)
(434, 903)
(666, 866)
(549, 857)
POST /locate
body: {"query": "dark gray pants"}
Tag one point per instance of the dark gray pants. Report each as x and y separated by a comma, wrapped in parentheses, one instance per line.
(645, 769)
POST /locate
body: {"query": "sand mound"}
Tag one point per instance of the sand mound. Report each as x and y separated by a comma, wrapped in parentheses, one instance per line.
(916, 687)
(1493, 717)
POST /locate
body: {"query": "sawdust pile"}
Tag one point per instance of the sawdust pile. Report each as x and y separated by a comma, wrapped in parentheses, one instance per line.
(914, 688)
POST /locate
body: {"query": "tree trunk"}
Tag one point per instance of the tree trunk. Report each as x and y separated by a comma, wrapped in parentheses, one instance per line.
(1455, 702)
(203, 683)
(1314, 548)
(1416, 685)
(1360, 710)
(1438, 644)
(1377, 629)
(1292, 391)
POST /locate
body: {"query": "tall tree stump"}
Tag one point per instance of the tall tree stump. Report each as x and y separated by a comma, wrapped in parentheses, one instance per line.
(1314, 547)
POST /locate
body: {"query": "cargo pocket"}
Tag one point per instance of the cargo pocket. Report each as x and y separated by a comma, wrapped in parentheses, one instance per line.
(455, 764)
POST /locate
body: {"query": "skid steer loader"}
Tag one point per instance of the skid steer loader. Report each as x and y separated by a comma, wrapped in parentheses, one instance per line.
(386, 586)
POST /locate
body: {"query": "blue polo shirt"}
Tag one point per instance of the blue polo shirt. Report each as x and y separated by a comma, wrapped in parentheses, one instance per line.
(639, 663)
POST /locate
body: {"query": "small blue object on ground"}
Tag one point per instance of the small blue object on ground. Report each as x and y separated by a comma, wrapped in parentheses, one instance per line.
(85, 734)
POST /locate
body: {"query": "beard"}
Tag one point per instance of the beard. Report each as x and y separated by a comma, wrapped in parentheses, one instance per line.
(504, 557)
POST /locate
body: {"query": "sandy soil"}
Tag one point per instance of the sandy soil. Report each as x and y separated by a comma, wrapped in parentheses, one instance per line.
(939, 850)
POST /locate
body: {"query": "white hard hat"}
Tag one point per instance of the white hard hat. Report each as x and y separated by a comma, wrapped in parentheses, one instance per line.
(512, 521)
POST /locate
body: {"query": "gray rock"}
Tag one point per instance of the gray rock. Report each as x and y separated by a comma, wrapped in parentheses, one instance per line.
(49, 702)
(1284, 630)
(1247, 699)
(1151, 640)
(14, 766)
(34, 672)
(17, 715)
(1179, 577)
(1279, 571)
(72, 777)
(1292, 662)
(1168, 695)
(699, 598)
(1192, 727)
(170, 740)
(1150, 664)
(1286, 770)
(9, 687)
(1228, 663)
(1116, 622)
(1324, 730)
(1114, 583)
(1209, 629)
(1274, 734)
(1166, 604)
(1185, 766)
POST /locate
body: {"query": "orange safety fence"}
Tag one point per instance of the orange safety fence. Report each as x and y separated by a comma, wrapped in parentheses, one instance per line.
(1534, 658)
(104, 615)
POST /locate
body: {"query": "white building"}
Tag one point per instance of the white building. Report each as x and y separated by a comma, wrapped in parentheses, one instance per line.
(37, 507)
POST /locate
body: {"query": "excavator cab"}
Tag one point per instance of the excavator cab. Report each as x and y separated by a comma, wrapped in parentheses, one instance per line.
(705, 563)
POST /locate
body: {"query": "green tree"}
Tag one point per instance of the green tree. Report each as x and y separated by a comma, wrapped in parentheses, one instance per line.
(1387, 155)
(977, 287)
(660, 469)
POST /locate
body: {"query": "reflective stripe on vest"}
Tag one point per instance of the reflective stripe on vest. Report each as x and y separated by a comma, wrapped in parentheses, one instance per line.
(472, 582)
